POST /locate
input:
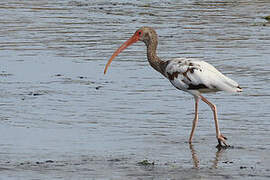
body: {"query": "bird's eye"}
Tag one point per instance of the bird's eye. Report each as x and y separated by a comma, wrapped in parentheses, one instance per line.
(140, 32)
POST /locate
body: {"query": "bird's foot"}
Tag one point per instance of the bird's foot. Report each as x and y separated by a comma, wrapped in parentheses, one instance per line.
(222, 140)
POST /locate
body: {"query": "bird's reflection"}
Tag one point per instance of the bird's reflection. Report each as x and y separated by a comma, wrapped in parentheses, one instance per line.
(194, 156)
(218, 156)
(196, 162)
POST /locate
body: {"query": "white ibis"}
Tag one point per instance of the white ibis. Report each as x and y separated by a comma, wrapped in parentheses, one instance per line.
(189, 75)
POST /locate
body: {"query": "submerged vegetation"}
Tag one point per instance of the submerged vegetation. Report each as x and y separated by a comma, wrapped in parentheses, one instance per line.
(267, 18)
(146, 163)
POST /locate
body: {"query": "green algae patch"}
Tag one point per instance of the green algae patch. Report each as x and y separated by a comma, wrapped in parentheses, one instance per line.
(267, 18)
(146, 163)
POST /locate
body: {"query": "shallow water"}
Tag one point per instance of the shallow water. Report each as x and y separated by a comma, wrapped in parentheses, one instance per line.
(61, 118)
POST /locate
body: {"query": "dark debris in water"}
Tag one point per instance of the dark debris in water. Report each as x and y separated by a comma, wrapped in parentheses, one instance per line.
(98, 87)
(78, 4)
(35, 94)
(146, 163)
(5, 74)
(49, 161)
(82, 77)
(24, 163)
(243, 167)
(115, 160)
(267, 18)
(147, 13)
(37, 162)
(227, 162)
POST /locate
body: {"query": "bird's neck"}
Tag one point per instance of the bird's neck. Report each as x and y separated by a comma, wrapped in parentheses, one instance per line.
(153, 59)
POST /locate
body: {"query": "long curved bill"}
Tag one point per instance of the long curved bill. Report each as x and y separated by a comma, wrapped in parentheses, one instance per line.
(130, 41)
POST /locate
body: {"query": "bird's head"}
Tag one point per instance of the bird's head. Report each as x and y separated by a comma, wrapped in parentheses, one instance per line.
(145, 34)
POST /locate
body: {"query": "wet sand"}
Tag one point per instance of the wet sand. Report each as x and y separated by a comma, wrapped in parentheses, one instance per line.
(61, 118)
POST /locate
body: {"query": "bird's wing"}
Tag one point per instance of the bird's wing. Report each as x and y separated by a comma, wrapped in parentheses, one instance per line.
(190, 74)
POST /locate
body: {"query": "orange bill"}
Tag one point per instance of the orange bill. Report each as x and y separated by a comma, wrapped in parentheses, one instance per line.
(130, 41)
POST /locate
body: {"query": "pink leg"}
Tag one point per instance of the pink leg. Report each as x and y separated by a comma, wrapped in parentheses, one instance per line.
(195, 121)
(220, 137)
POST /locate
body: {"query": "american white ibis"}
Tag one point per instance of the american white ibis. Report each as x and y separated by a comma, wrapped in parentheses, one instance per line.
(193, 76)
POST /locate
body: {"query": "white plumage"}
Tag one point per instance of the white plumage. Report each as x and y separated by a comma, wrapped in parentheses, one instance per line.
(195, 77)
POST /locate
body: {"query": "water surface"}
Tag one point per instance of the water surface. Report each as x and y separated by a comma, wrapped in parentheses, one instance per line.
(61, 118)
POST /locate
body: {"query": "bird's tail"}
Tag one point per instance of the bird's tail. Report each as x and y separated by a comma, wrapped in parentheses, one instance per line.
(239, 89)
(230, 85)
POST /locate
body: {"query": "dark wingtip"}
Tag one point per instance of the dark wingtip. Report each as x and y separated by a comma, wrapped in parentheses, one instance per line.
(239, 89)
